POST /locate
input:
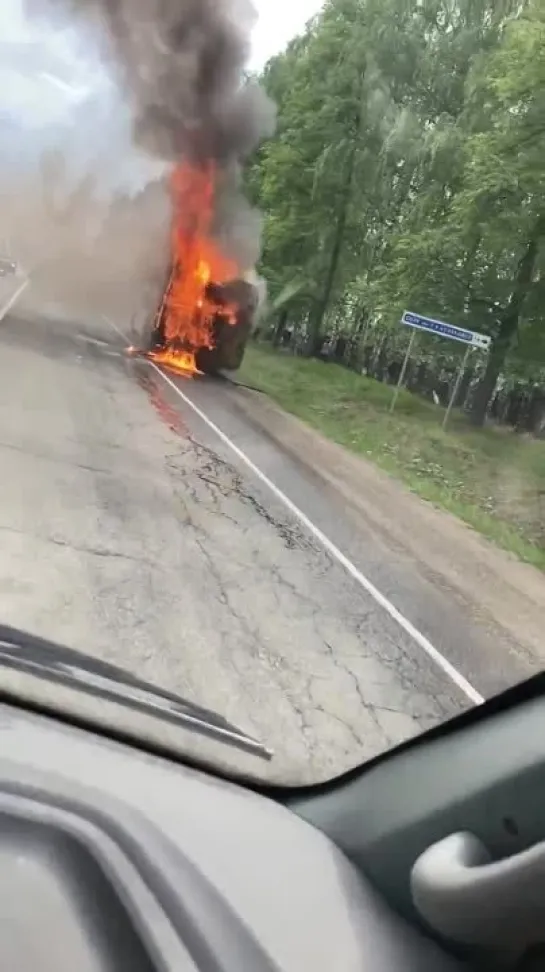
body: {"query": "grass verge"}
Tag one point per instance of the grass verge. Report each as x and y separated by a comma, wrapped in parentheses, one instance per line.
(491, 478)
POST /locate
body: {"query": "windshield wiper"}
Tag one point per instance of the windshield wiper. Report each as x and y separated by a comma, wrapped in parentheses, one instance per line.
(54, 663)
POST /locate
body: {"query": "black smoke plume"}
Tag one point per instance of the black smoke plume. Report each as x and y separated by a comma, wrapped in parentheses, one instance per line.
(181, 64)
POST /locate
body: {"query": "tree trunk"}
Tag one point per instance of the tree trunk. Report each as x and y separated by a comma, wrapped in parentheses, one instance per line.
(280, 328)
(508, 320)
(356, 343)
(487, 385)
(461, 395)
(322, 303)
(537, 418)
(319, 311)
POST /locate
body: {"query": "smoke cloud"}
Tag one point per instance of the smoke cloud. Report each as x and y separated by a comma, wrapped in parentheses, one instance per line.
(181, 64)
(88, 255)
(178, 66)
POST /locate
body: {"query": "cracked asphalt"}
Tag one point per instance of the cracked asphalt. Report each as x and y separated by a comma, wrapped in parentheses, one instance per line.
(128, 530)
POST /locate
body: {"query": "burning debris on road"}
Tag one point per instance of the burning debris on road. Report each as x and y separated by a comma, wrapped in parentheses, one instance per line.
(180, 64)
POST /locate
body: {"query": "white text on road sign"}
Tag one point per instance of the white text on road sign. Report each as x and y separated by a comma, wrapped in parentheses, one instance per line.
(432, 326)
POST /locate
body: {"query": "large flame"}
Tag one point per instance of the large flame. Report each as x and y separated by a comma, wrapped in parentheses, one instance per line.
(183, 362)
(187, 311)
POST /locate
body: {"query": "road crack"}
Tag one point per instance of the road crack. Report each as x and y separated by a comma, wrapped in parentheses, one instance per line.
(79, 548)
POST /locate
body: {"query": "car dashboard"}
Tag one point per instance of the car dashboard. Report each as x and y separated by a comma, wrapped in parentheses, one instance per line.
(113, 859)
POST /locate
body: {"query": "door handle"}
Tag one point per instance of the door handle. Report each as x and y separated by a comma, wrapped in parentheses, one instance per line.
(472, 899)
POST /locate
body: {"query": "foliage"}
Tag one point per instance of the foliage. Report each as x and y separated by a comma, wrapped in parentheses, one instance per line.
(406, 171)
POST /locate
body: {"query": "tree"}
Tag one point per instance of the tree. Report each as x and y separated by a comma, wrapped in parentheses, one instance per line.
(406, 171)
(503, 198)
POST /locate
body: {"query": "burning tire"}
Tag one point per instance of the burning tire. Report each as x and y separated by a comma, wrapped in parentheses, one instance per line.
(208, 361)
(230, 330)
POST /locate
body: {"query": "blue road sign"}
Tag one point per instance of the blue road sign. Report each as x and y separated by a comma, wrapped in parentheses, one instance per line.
(428, 324)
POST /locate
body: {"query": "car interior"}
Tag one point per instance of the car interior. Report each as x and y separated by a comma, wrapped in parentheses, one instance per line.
(448, 830)
(429, 857)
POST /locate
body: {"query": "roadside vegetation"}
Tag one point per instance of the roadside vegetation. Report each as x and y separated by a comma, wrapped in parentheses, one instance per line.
(407, 173)
(492, 478)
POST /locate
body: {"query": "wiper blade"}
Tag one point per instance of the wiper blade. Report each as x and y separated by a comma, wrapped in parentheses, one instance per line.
(43, 659)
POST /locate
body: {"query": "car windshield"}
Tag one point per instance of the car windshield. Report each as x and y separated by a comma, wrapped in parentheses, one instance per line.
(272, 362)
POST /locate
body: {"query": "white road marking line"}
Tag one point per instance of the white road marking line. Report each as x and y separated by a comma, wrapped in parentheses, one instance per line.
(9, 304)
(96, 341)
(116, 328)
(455, 676)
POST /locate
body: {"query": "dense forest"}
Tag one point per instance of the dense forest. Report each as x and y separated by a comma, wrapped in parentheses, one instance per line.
(408, 172)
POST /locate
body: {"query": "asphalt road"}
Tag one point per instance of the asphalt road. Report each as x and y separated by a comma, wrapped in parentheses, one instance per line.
(130, 530)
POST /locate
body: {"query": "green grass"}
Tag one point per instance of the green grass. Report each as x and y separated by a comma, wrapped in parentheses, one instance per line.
(492, 478)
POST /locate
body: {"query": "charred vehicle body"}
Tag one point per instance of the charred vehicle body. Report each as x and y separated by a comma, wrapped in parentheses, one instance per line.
(218, 329)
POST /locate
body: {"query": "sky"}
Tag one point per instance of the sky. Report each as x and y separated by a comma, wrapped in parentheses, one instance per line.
(278, 22)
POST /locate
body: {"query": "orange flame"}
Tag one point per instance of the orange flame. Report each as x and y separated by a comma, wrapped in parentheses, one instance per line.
(182, 362)
(197, 261)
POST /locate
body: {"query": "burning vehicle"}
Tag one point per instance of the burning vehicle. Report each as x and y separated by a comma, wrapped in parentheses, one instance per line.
(180, 67)
(209, 306)
(212, 336)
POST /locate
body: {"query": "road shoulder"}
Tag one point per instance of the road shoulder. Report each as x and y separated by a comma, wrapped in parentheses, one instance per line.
(489, 580)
